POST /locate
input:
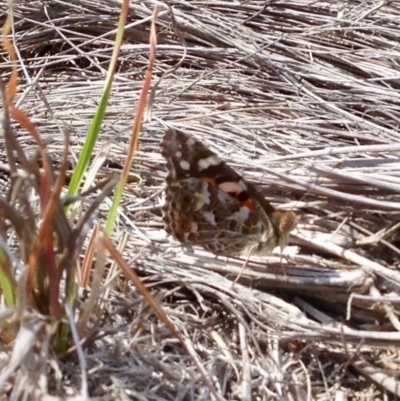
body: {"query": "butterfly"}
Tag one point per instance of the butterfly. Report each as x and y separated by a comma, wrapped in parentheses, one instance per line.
(208, 204)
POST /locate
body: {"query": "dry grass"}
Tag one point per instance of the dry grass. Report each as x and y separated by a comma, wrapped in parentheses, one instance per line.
(303, 98)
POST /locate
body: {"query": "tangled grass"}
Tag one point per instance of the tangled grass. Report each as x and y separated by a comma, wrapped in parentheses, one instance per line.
(300, 96)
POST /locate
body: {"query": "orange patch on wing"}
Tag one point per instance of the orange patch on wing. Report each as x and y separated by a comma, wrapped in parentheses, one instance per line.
(209, 181)
(249, 204)
(235, 188)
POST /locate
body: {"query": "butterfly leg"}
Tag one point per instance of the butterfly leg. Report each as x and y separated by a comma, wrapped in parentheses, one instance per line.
(245, 263)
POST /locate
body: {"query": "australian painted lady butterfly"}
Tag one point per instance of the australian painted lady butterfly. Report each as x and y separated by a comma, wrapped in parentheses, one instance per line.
(210, 205)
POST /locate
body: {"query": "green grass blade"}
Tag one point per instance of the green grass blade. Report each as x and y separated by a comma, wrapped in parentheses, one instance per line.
(5, 282)
(94, 130)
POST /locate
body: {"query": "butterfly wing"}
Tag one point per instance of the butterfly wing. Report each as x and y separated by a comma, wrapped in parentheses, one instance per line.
(209, 204)
(186, 157)
(198, 213)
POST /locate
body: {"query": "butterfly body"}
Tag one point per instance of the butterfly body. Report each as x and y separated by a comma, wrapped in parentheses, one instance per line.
(208, 204)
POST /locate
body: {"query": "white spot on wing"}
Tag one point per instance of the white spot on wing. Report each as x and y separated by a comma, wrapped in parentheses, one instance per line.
(203, 197)
(210, 217)
(184, 165)
(223, 196)
(232, 186)
(178, 154)
(207, 162)
(244, 213)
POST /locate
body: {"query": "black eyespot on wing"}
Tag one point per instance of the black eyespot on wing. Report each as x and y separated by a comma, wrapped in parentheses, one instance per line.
(242, 196)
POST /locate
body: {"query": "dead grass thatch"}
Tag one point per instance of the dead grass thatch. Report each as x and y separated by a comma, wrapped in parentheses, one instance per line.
(303, 98)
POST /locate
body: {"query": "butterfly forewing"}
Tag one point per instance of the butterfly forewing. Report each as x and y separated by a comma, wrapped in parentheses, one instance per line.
(186, 157)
